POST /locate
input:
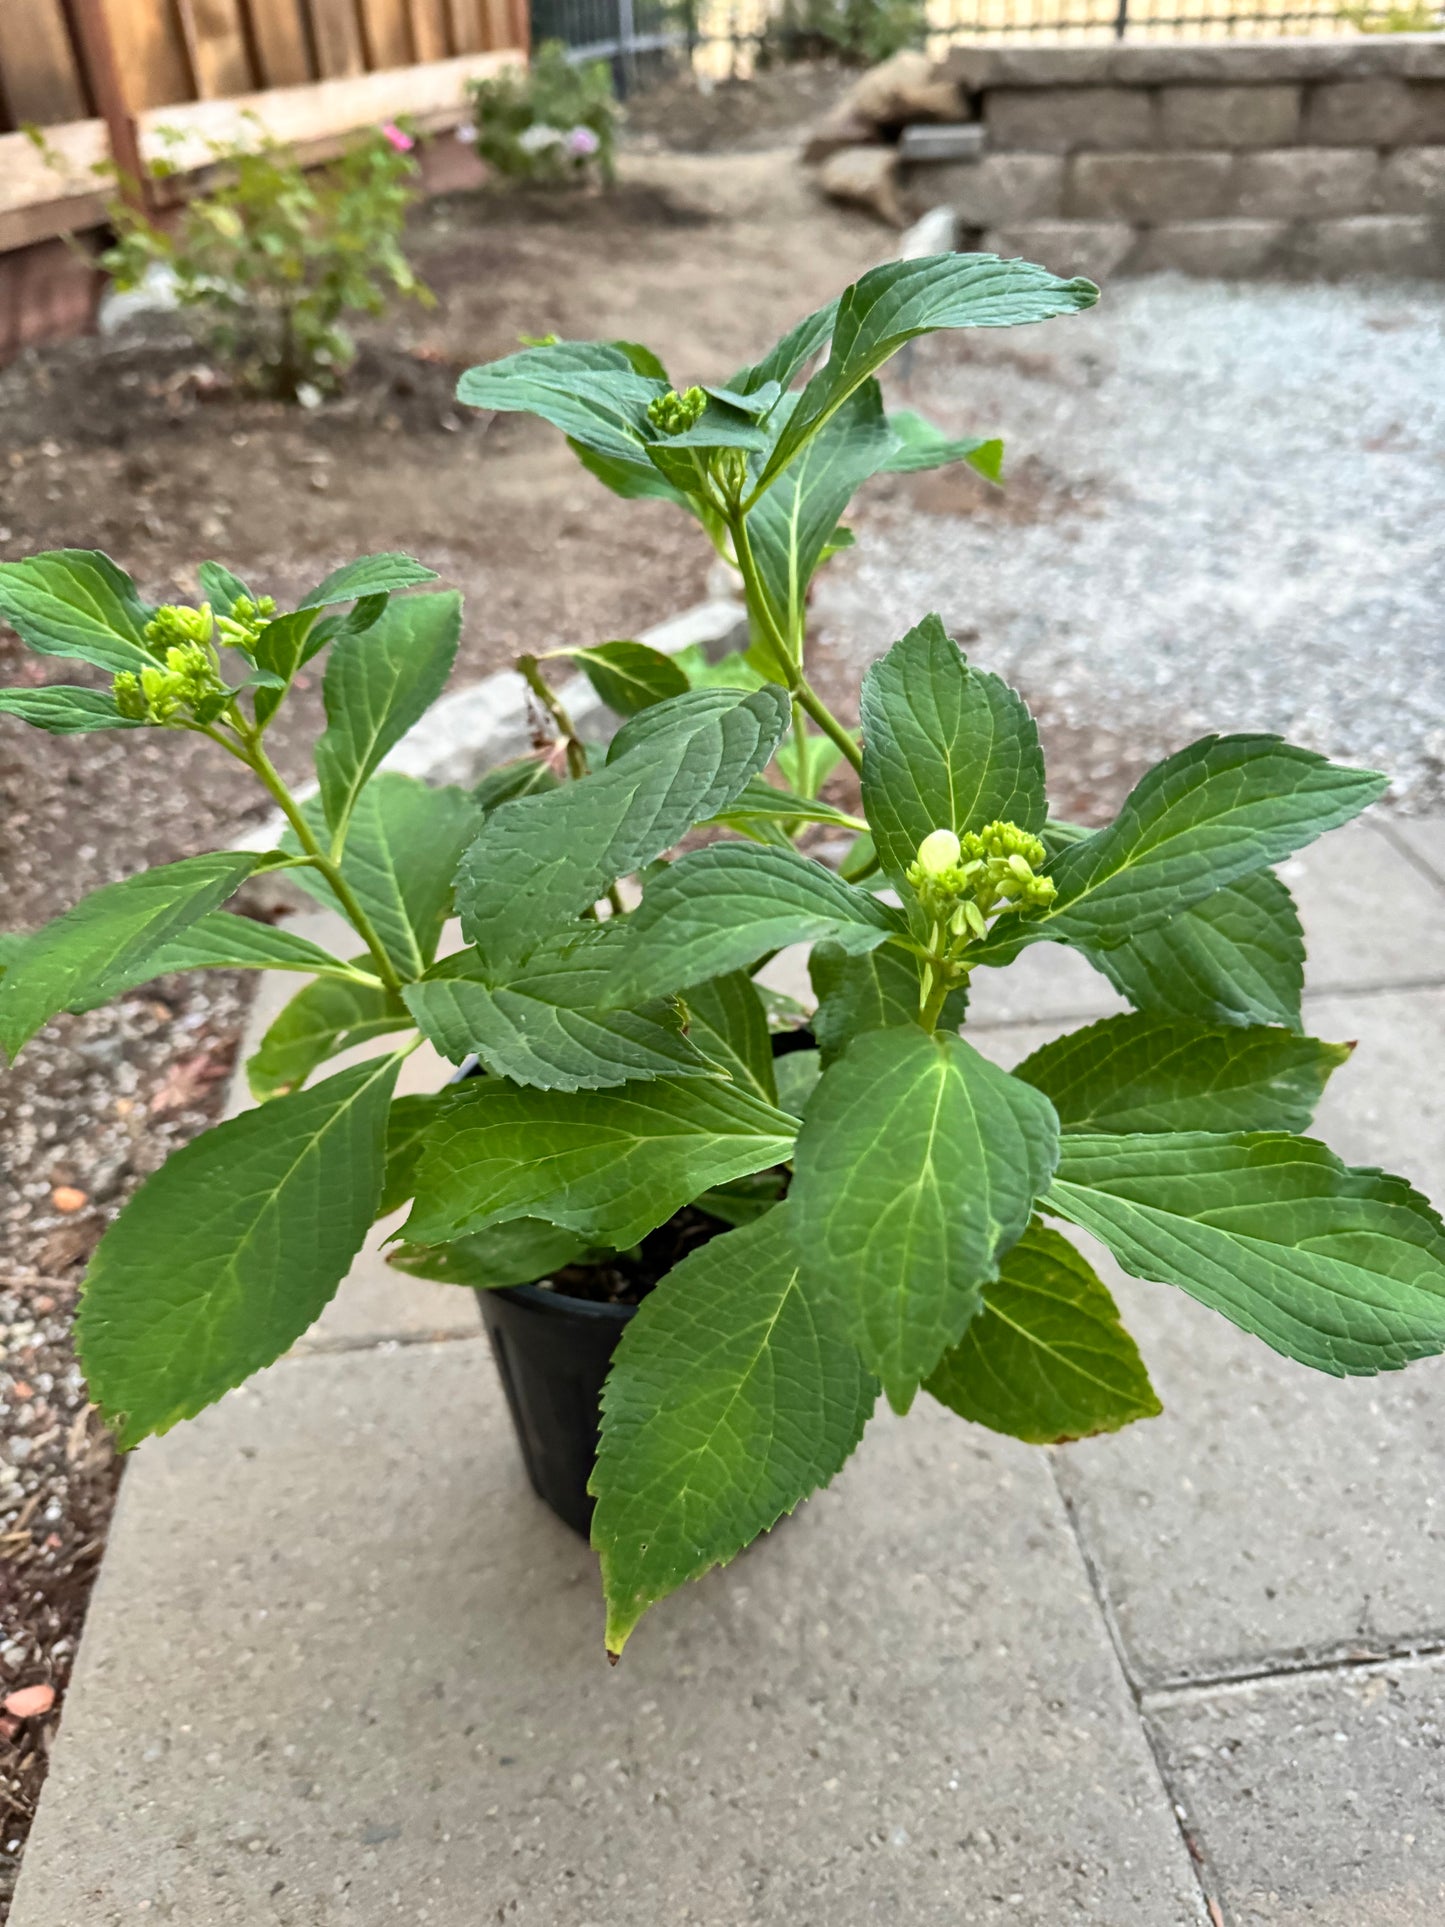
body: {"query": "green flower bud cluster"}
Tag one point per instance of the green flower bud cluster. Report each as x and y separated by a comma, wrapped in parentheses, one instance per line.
(174, 625)
(246, 620)
(185, 679)
(962, 881)
(674, 414)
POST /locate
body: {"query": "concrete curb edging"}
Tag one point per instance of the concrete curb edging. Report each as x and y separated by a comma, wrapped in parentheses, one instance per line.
(486, 722)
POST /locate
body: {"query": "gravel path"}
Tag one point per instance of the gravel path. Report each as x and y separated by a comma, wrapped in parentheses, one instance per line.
(1225, 511)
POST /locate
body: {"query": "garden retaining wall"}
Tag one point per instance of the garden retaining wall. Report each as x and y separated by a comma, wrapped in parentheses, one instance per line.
(1225, 158)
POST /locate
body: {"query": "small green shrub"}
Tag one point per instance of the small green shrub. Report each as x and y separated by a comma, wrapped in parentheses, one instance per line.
(273, 258)
(1415, 17)
(553, 123)
(859, 32)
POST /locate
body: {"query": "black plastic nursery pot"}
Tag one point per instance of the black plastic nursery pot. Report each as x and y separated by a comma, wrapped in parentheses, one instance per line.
(553, 1354)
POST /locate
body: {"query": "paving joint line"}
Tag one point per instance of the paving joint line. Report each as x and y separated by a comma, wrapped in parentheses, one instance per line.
(1426, 1651)
(1210, 1888)
(1406, 986)
(1386, 827)
(378, 1342)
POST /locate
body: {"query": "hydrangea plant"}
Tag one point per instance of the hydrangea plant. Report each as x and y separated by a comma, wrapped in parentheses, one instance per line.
(889, 1205)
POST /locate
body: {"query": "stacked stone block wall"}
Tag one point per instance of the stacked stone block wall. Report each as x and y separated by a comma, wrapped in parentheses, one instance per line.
(1243, 158)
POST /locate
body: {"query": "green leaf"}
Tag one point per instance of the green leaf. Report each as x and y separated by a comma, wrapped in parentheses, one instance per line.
(824, 756)
(797, 1073)
(610, 1165)
(1343, 1270)
(371, 575)
(225, 940)
(902, 299)
(279, 651)
(408, 1124)
(784, 362)
(377, 685)
(232, 1250)
(629, 676)
(402, 850)
(522, 777)
(642, 360)
(325, 1018)
(1147, 1073)
(794, 522)
(544, 1025)
(922, 446)
(727, 1022)
(542, 860)
(733, 1395)
(76, 602)
(724, 907)
(762, 802)
(743, 1200)
(221, 588)
(1046, 1360)
(1236, 958)
(916, 1169)
(65, 710)
(588, 389)
(877, 991)
(108, 935)
(945, 747)
(1206, 816)
(521, 1252)
(634, 480)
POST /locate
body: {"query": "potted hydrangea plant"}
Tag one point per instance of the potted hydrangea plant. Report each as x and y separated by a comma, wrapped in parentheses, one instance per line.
(756, 1224)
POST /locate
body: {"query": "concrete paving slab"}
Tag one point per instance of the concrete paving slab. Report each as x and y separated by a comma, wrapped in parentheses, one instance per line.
(1371, 916)
(341, 1667)
(1271, 1514)
(1424, 839)
(1317, 1802)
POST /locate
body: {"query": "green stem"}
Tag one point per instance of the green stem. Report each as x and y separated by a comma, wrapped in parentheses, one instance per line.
(530, 671)
(753, 595)
(259, 763)
(800, 737)
(828, 723)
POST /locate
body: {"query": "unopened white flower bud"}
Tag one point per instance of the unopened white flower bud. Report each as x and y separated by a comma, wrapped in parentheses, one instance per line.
(939, 851)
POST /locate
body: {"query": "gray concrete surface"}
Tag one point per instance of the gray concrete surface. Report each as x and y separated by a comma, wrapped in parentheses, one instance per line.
(341, 1667)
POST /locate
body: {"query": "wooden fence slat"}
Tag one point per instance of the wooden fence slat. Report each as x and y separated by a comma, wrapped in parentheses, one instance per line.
(150, 52)
(496, 23)
(222, 60)
(41, 78)
(387, 33)
(279, 35)
(337, 34)
(467, 34)
(429, 29)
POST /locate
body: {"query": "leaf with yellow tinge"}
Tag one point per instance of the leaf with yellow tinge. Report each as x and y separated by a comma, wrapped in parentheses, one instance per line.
(1046, 1359)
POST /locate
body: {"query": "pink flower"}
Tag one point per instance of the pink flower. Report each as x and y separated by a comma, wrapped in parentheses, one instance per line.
(402, 142)
(581, 141)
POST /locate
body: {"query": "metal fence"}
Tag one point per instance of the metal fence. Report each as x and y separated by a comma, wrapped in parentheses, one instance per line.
(722, 37)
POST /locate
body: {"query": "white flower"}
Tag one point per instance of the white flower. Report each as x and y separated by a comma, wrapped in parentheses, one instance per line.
(537, 138)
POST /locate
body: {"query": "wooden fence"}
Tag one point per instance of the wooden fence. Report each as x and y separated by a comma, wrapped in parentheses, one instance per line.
(103, 78)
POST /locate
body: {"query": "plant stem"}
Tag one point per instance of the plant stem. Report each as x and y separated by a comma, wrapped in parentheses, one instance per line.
(255, 758)
(800, 737)
(828, 722)
(529, 669)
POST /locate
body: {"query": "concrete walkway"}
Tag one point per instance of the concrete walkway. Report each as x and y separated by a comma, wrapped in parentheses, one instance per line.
(341, 1667)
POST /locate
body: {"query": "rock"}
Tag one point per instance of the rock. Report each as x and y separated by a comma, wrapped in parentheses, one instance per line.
(864, 177)
(840, 127)
(935, 232)
(30, 1701)
(906, 88)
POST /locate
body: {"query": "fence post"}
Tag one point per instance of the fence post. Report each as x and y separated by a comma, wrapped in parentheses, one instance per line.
(107, 89)
(626, 49)
(1121, 20)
